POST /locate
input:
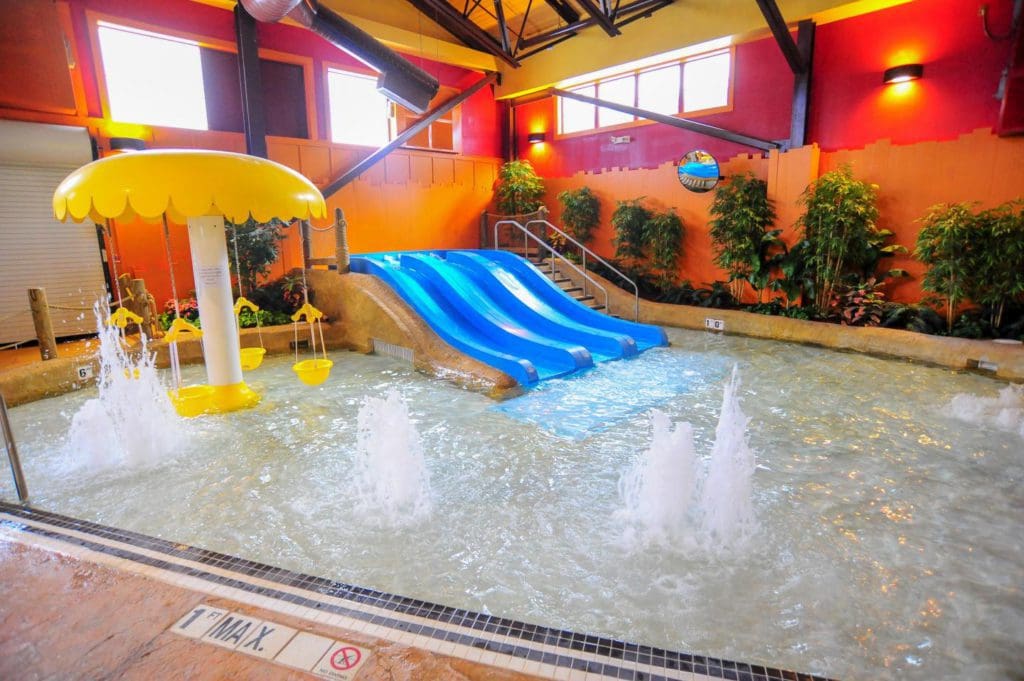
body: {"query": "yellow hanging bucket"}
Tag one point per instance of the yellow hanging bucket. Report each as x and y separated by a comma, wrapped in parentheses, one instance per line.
(192, 400)
(313, 371)
(252, 358)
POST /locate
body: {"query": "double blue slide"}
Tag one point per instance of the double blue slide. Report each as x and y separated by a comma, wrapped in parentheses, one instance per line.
(498, 308)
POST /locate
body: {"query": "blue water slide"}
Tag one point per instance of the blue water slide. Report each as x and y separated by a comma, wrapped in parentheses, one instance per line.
(646, 335)
(424, 300)
(519, 301)
(459, 295)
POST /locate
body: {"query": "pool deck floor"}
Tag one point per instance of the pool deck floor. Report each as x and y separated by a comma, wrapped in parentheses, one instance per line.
(62, 617)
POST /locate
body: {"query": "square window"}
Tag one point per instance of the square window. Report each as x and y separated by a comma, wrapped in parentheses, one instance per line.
(578, 116)
(706, 82)
(359, 114)
(152, 79)
(658, 90)
(619, 91)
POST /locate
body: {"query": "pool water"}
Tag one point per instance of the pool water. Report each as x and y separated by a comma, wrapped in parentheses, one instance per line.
(890, 541)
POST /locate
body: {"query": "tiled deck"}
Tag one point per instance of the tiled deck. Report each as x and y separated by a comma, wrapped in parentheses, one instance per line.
(80, 600)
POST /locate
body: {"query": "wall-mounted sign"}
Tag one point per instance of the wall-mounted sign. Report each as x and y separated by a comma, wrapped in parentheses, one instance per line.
(698, 171)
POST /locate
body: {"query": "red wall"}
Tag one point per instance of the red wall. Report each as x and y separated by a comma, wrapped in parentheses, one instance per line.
(850, 107)
(761, 102)
(480, 114)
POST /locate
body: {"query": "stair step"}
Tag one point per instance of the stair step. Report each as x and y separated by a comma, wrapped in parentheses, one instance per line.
(584, 298)
(561, 280)
(573, 289)
(597, 307)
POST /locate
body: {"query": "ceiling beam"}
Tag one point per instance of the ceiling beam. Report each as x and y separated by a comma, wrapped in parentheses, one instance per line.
(451, 19)
(499, 14)
(780, 30)
(628, 11)
(564, 10)
(603, 20)
(683, 123)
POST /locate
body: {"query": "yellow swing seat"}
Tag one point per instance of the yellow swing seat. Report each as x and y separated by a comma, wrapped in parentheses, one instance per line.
(313, 371)
(251, 358)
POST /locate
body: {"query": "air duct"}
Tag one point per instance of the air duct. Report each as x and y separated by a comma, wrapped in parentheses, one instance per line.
(399, 80)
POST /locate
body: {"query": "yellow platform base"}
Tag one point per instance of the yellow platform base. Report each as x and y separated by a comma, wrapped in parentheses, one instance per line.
(194, 400)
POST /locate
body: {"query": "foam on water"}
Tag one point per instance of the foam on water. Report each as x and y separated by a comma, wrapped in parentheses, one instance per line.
(670, 498)
(1005, 412)
(131, 422)
(390, 474)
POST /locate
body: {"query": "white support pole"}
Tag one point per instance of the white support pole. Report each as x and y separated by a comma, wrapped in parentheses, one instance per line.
(213, 293)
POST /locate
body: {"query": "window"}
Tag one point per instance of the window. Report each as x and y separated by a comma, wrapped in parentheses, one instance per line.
(162, 80)
(361, 115)
(706, 83)
(152, 79)
(697, 83)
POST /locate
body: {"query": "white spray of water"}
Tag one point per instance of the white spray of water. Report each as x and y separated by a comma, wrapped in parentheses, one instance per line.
(1005, 412)
(671, 499)
(131, 422)
(390, 476)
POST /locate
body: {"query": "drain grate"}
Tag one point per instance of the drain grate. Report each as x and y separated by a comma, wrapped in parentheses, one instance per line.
(391, 350)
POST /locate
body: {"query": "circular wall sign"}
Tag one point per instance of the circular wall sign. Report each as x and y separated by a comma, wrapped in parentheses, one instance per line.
(698, 171)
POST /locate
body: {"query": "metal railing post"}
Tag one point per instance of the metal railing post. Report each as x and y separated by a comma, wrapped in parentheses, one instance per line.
(12, 454)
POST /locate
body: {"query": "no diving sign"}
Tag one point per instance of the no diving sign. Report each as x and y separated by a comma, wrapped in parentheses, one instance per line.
(341, 661)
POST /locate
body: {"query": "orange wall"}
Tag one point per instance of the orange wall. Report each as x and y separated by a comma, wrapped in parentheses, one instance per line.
(411, 199)
(975, 167)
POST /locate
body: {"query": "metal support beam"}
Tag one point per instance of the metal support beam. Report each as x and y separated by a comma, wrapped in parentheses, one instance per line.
(685, 124)
(777, 24)
(499, 11)
(602, 19)
(633, 11)
(450, 19)
(564, 10)
(802, 86)
(254, 123)
(413, 130)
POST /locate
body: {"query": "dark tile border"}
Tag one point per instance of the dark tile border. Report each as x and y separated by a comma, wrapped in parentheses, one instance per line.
(476, 625)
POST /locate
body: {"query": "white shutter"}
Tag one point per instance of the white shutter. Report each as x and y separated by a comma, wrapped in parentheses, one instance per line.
(35, 249)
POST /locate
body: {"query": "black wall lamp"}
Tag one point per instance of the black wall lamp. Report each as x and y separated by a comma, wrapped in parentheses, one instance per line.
(127, 144)
(536, 137)
(903, 73)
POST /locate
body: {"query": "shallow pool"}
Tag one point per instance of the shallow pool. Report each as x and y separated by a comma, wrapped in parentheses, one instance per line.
(890, 542)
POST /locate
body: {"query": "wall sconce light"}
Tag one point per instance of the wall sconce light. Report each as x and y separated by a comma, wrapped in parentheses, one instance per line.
(903, 73)
(536, 137)
(127, 144)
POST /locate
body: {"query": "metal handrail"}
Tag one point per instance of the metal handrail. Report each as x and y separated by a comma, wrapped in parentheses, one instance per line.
(595, 256)
(527, 234)
(12, 453)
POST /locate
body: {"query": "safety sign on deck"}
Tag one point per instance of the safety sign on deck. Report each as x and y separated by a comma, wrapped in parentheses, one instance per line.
(325, 657)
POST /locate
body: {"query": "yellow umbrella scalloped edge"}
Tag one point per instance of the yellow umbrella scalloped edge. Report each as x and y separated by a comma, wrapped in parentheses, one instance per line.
(186, 183)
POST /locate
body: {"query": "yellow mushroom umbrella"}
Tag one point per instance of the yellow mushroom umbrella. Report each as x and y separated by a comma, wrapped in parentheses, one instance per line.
(201, 188)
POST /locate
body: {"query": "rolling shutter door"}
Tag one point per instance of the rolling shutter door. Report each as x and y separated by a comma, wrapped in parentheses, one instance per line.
(35, 249)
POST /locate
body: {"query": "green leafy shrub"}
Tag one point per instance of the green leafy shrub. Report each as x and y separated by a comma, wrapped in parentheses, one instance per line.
(581, 210)
(519, 189)
(258, 247)
(839, 226)
(663, 237)
(943, 245)
(629, 219)
(740, 217)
